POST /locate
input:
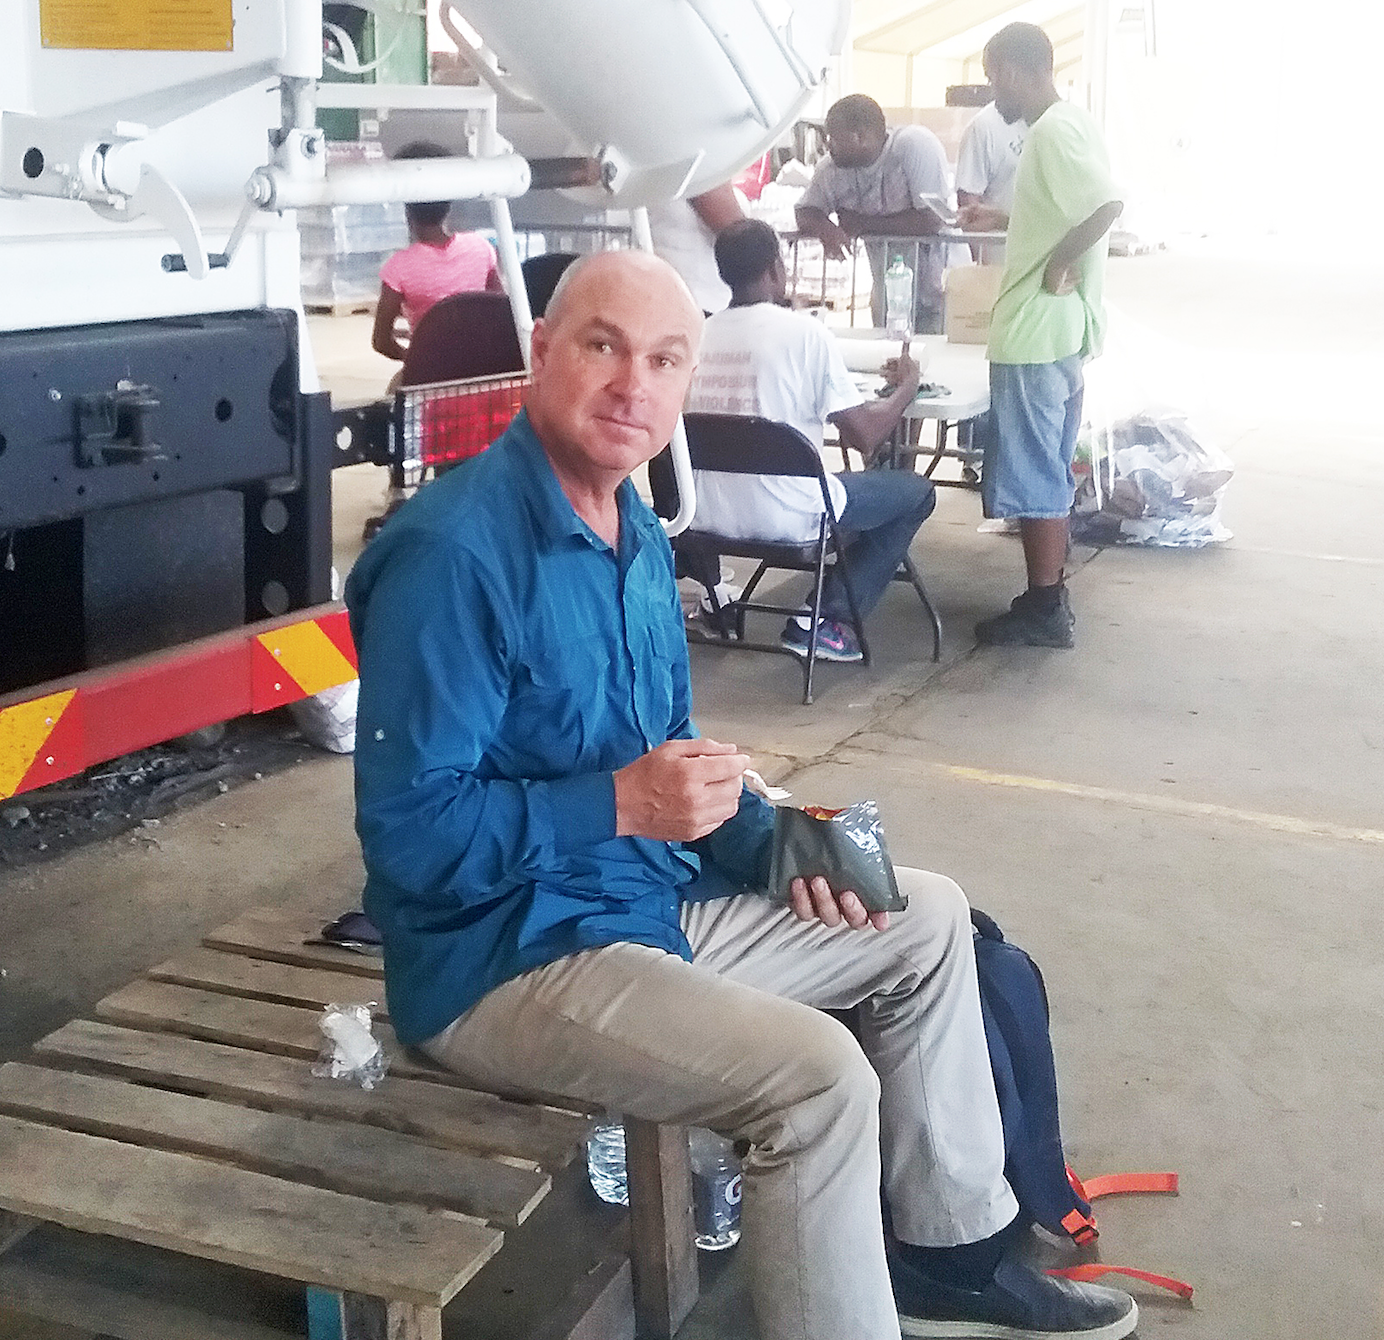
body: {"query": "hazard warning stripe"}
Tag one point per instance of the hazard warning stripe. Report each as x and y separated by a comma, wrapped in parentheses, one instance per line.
(25, 730)
(56, 730)
(295, 662)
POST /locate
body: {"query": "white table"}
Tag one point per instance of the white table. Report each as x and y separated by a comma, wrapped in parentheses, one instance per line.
(961, 368)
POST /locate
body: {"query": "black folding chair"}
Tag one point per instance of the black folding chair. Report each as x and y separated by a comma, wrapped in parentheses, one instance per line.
(738, 445)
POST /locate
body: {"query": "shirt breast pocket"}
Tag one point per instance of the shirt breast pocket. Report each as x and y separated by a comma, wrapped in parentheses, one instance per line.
(559, 718)
(662, 669)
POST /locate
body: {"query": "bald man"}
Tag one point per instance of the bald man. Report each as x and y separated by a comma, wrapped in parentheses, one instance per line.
(569, 881)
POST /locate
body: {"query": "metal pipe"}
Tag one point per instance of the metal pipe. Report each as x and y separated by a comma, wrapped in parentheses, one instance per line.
(682, 462)
(297, 103)
(513, 274)
(639, 229)
(401, 179)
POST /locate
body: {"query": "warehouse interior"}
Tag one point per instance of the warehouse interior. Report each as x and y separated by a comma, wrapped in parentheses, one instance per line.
(1180, 820)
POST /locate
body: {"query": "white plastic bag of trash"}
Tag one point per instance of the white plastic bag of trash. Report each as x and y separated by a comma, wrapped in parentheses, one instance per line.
(350, 1050)
(328, 719)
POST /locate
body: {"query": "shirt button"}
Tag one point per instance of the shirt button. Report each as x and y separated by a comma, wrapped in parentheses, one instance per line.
(379, 735)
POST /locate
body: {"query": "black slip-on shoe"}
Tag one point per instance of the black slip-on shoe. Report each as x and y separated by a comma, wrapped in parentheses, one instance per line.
(1019, 1303)
(1022, 625)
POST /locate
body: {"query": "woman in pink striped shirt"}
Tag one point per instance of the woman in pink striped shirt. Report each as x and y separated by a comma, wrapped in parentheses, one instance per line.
(437, 264)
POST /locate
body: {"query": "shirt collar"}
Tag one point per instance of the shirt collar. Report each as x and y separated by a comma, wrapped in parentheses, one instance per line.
(550, 505)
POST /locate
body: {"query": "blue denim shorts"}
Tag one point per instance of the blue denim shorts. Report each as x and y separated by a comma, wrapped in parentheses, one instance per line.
(1036, 411)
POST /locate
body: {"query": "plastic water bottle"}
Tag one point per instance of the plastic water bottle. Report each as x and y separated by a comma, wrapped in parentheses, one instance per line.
(716, 1180)
(898, 299)
(715, 1191)
(605, 1161)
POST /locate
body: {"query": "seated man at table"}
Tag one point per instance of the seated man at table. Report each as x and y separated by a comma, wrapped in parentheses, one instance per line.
(760, 358)
(569, 882)
(874, 180)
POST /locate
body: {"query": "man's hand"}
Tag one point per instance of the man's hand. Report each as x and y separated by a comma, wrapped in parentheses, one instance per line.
(680, 791)
(815, 900)
(836, 241)
(982, 219)
(1059, 277)
(903, 371)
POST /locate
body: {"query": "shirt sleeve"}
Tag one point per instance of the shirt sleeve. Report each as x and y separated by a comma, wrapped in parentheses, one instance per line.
(924, 162)
(819, 193)
(839, 390)
(394, 272)
(435, 667)
(1073, 167)
(972, 160)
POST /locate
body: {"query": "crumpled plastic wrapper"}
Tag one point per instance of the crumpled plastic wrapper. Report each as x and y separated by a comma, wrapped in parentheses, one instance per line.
(350, 1049)
(846, 847)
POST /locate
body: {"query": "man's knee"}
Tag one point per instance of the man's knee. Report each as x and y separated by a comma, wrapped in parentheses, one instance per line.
(936, 905)
(830, 1061)
(924, 495)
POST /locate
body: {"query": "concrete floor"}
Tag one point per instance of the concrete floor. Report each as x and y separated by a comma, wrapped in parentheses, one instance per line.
(1181, 820)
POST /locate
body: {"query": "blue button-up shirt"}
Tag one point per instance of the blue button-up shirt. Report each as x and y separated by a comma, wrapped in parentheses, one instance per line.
(510, 662)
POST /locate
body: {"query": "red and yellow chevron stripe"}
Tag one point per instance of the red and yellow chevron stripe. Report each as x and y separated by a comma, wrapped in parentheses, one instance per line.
(55, 730)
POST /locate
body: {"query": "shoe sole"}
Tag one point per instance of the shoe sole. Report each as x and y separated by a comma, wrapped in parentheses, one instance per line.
(1059, 643)
(840, 658)
(989, 1330)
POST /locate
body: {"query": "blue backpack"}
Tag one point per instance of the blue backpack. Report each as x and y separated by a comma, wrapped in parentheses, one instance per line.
(1014, 1003)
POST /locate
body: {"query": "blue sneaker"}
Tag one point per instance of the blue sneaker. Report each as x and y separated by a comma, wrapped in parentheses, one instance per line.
(835, 642)
(1019, 1303)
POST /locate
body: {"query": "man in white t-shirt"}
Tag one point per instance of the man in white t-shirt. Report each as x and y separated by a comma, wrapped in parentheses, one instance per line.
(875, 180)
(985, 167)
(759, 357)
(684, 234)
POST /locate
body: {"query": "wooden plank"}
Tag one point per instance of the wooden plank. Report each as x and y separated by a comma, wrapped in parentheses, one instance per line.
(271, 933)
(122, 1289)
(259, 1025)
(358, 1160)
(454, 1117)
(601, 1306)
(242, 1218)
(264, 979)
(13, 1227)
(663, 1252)
(365, 1318)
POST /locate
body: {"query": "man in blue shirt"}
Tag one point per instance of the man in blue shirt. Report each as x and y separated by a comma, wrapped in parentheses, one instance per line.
(567, 879)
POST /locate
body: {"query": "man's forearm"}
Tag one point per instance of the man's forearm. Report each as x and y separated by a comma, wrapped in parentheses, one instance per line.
(478, 839)
(811, 221)
(906, 223)
(1086, 234)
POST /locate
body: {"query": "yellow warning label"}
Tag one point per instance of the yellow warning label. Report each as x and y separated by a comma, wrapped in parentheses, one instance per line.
(308, 656)
(136, 25)
(23, 729)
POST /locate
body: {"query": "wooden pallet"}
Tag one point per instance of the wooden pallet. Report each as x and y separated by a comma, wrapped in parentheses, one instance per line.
(358, 307)
(185, 1116)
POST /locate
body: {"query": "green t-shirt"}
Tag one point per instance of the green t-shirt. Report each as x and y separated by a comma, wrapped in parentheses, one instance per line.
(1063, 178)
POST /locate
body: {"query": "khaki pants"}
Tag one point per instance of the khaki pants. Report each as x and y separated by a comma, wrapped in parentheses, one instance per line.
(728, 1041)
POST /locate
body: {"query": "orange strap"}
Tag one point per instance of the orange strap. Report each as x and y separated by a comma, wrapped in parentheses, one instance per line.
(1087, 1273)
(1118, 1184)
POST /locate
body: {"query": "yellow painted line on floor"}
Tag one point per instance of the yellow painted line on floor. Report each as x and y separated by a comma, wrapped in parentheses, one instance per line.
(1315, 558)
(1189, 809)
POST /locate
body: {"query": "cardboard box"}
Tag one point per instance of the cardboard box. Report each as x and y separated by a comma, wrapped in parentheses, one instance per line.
(971, 294)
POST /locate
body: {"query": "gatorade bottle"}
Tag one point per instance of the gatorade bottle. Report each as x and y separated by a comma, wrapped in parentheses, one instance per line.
(898, 299)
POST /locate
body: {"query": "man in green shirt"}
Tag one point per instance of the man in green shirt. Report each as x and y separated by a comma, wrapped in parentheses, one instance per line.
(1047, 321)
